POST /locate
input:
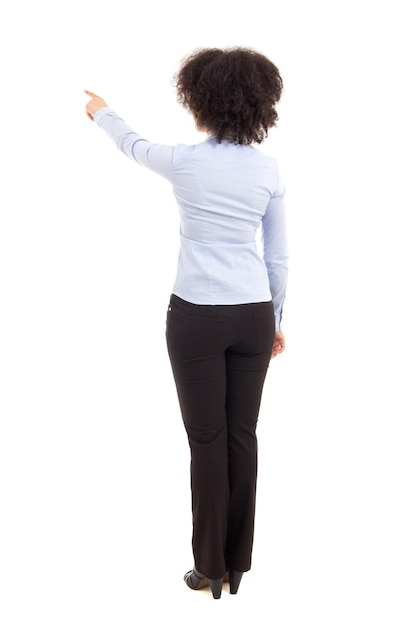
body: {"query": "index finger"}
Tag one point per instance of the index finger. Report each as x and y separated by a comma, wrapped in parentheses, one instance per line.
(90, 93)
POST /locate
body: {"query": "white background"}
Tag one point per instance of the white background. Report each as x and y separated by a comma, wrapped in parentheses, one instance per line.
(95, 505)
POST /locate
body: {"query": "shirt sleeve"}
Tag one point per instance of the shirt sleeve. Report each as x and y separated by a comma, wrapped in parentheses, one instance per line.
(156, 157)
(275, 251)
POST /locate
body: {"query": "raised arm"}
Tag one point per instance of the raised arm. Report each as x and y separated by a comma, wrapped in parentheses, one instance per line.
(156, 157)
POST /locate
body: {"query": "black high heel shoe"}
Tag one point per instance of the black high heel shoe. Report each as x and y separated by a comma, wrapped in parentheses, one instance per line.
(195, 580)
(234, 580)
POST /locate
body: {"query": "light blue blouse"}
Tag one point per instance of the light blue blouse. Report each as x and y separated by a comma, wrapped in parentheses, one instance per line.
(225, 192)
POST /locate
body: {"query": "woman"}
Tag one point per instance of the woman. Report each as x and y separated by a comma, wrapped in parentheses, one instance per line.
(224, 315)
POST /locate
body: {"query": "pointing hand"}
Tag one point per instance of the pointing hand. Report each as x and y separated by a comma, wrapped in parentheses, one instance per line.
(94, 104)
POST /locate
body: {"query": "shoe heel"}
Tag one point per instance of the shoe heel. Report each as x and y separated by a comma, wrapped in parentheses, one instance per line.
(234, 580)
(216, 586)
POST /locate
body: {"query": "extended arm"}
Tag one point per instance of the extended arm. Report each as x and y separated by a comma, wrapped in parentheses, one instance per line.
(156, 157)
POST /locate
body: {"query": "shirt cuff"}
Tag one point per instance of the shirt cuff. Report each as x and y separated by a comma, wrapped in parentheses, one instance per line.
(99, 114)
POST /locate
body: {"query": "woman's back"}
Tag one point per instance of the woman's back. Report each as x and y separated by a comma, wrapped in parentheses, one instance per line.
(223, 190)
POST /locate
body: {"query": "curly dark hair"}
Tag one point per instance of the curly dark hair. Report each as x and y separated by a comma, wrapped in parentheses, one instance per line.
(231, 92)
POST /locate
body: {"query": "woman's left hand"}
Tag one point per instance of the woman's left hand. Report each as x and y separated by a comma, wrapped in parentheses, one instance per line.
(94, 104)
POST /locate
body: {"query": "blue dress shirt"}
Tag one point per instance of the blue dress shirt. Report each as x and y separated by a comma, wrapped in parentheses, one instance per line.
(225, 192)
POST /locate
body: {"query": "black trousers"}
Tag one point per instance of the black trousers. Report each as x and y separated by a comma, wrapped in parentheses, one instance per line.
(219, 357)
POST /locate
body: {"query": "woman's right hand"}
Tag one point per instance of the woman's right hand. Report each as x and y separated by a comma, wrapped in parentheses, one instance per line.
(279, 344)
(94, 104)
